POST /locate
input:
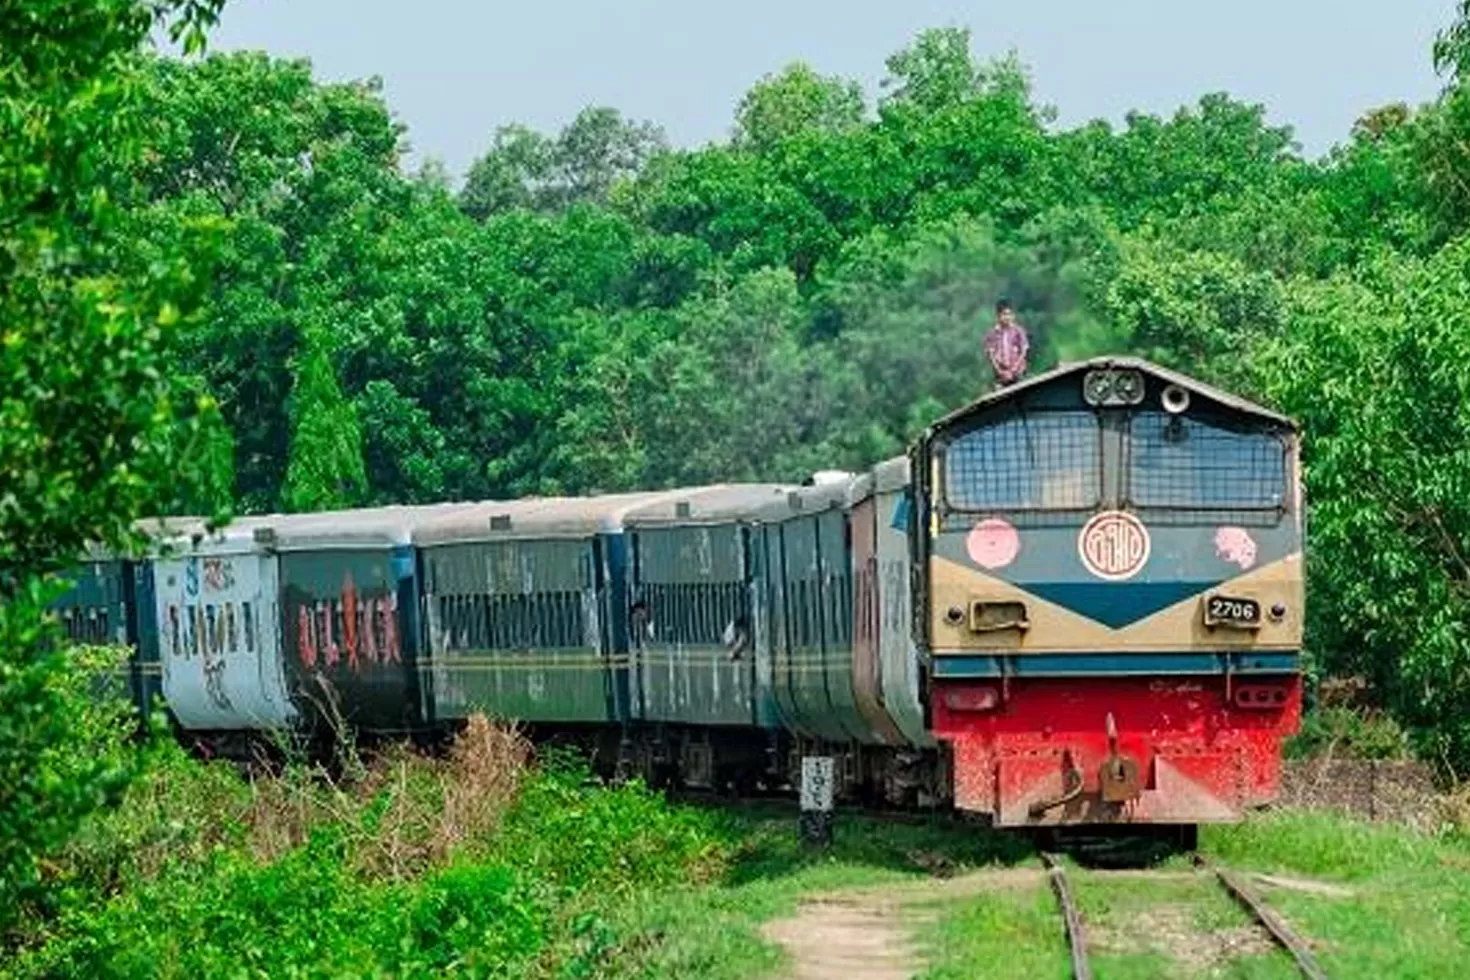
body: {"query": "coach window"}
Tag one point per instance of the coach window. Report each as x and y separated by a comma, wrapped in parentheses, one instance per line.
(1035, 461)
(1191, 464)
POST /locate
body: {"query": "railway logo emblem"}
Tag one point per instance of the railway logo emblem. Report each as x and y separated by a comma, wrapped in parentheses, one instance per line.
(1113, 545)
(993, 543)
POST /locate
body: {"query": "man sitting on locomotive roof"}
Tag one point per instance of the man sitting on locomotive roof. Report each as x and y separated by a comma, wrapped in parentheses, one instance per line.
(1007, 345)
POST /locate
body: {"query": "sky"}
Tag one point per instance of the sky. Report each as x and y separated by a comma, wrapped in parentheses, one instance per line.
(454, 71)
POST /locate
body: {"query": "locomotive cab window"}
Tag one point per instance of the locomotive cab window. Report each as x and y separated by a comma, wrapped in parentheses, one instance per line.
(1026, 461)
(1193, 464)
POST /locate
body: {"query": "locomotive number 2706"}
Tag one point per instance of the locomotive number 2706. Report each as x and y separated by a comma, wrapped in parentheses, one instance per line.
(1241, 612)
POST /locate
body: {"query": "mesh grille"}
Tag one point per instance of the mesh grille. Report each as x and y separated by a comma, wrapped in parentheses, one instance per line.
(1041, 461)
(1178, 462)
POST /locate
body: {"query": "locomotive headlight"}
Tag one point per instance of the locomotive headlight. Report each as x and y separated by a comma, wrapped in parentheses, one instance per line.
(1097, 387)
(1108, 386)
(1278, 612)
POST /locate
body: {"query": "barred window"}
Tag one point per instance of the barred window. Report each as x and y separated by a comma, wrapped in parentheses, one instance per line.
(695, 613)
(1037, 461)
(538, 621)
(1178, 462)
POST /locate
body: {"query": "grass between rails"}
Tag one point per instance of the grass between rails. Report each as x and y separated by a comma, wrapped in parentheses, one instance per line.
(1373, 901)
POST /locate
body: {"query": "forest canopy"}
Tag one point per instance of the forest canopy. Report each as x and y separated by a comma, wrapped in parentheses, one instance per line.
(223, 268)
(594, 310)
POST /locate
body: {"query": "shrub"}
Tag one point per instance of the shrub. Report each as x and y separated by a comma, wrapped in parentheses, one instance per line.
(1353, 733)
(469, 865)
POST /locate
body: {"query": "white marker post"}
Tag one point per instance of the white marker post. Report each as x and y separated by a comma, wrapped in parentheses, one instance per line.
(817, 777)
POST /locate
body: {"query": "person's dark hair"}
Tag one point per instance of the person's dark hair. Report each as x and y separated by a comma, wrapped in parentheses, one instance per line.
(1002, 306)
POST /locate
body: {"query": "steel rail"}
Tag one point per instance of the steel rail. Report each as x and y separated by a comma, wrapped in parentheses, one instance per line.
(1282, 933)
(1076, 938)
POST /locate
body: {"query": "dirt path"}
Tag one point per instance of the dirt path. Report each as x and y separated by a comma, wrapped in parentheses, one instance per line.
(866, 934)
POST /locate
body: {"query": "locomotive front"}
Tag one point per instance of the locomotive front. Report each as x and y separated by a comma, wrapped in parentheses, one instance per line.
(1110, 596)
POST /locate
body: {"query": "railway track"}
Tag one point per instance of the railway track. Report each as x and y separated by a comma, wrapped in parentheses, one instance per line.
(1233, 884)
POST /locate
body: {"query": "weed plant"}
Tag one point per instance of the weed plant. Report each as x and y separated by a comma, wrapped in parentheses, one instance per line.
(480, 864)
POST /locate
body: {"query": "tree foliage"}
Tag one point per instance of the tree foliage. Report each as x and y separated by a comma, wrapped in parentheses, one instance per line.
(594, 310)
(96, 426)
(1452, 46)
(794, 101)
(326, 469)
(937, 71)
(525, 169)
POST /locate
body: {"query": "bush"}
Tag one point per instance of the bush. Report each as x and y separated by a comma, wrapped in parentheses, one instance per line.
(471, 865)
(1349, 733)
(63, 751)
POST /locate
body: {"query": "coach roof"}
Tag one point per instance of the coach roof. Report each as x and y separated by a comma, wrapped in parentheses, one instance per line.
(370, 528)
(805, 501)
(534, 517)
(715, 504)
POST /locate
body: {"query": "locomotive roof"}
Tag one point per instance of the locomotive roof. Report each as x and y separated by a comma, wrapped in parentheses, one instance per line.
(533, 517)
(707, 505)
(1208, 392)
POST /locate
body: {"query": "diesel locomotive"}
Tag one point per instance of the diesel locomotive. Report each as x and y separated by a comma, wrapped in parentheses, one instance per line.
(1077, 601)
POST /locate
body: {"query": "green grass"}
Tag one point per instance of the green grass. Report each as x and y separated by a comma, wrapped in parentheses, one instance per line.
(476, 866)
(713, 933)
(1186, 927)
(1008, 933)
(1408, 915)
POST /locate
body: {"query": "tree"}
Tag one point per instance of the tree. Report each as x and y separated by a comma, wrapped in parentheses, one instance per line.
(1377, 371)
(599, 148)
(937, 71)
(1201, 312)
(326, 471)
(1441, 148)
(1373, 189)
(304, 178)
(93, 430)
(1452, 46)
(524, 169)
(909, 314)
(512, 174)
(796, 100)
(1201, 160)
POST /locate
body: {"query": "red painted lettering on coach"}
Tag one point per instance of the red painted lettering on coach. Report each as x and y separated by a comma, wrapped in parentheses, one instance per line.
(352, 630)
(305, 638)
(349, 621)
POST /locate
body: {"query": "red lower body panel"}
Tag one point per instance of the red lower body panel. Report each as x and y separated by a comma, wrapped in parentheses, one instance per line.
(1115, 750)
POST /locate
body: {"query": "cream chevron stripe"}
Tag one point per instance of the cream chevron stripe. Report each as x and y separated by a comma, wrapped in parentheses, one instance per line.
(1057, 629)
